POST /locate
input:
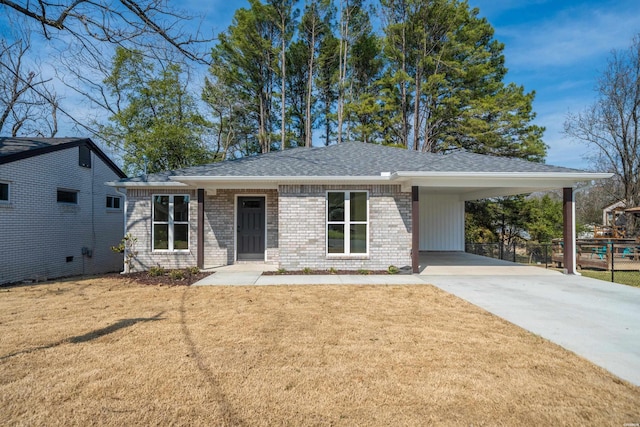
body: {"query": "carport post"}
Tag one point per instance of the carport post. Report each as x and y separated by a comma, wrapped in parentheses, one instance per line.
(569, 231)
(200, 233)
(415, 229)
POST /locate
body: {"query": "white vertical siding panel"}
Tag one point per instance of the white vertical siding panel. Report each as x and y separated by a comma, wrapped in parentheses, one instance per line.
(441, 222)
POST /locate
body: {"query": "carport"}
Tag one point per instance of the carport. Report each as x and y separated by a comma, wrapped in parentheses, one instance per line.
(438, 200)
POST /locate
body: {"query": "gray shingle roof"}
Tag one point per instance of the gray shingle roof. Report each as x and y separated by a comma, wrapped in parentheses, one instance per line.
(352, 159)
(17, 148)
(10, 146)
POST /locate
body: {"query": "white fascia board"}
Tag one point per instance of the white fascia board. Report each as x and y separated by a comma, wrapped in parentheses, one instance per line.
(497, 179)
(276, 178)
(576, 176)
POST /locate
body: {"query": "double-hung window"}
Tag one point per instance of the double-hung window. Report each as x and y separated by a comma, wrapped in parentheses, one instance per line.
(170, 222)
(347, 222)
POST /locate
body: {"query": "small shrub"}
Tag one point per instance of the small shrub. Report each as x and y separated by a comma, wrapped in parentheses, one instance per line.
(306, 270)
(156, 271)
(192, 270)
(392, 269)
(364, 271)
(127, 247)
(176, 274)
(333, 271)
(282, 270)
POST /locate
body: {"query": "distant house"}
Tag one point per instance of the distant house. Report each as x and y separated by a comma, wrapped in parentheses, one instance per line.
(348, 206)
(614, 220)
(57, 216)
(611, 213)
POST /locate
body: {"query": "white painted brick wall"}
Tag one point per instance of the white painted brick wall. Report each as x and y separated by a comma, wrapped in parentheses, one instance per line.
(37, 234)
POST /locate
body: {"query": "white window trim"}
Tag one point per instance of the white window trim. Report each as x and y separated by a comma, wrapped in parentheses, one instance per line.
(112, 209)
(68, 190)
(347, 222)
(170, 223)
(8, 201)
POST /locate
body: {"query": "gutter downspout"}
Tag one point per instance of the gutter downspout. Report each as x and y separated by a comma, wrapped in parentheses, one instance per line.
(124, 222)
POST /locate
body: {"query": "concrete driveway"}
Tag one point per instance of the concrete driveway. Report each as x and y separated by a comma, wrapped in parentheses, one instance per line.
(597, 320)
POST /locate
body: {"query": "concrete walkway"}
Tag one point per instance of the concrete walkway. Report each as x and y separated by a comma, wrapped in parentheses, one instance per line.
(251, 275)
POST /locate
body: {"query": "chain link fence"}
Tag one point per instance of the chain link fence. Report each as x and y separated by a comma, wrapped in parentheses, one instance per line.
(614, 261)
(522, 253)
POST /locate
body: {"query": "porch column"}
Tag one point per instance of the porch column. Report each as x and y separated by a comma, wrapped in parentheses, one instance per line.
(200, 232)
(415, 229)
(569, 231)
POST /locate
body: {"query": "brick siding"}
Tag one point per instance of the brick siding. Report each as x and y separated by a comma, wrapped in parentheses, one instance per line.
(296, 228)
(303, 228)
(219, 223)
(39, 234)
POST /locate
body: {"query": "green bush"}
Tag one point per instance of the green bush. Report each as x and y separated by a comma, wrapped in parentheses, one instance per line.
(156, 271)
(192, 270)
(306, 270)
(392, 269)
(176, 274)
(364, 271)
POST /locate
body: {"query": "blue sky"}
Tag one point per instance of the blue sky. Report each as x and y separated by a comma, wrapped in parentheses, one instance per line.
(558, 49)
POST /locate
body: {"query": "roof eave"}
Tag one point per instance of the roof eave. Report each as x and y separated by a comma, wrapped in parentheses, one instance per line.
(276, 178)
(577, 176)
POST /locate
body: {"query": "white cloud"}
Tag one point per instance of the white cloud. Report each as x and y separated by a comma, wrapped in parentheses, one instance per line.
(570, 36)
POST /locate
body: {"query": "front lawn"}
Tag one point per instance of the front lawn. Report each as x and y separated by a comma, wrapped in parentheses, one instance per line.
(105, 352)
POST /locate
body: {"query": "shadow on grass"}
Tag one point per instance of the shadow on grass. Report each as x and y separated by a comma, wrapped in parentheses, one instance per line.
(229, 414)
(89, 336)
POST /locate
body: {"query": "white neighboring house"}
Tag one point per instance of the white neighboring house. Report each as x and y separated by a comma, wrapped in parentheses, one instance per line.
(57, 216)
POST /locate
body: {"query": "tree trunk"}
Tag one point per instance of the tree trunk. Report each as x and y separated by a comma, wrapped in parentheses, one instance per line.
(344, 47)
(416, 110)
(283, 139)
(403, 91)
(307, 120)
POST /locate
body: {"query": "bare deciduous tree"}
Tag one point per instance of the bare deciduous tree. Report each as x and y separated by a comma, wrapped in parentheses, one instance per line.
(78, 39)
(146, 22)
(611, 126)
(28, 104)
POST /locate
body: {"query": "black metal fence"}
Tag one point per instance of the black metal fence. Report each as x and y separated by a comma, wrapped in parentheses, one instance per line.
(614, 261)
(523, 253)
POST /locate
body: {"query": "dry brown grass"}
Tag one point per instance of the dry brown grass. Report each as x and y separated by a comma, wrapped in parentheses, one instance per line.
(100, 351)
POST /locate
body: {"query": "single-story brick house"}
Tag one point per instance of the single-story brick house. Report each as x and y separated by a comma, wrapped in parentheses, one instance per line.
(57, 216)
(347, 206)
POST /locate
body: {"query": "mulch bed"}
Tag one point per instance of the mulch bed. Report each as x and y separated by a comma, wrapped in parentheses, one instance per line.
(144, 278)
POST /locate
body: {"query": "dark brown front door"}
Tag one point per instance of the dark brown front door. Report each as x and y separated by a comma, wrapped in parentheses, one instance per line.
(251, 228)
